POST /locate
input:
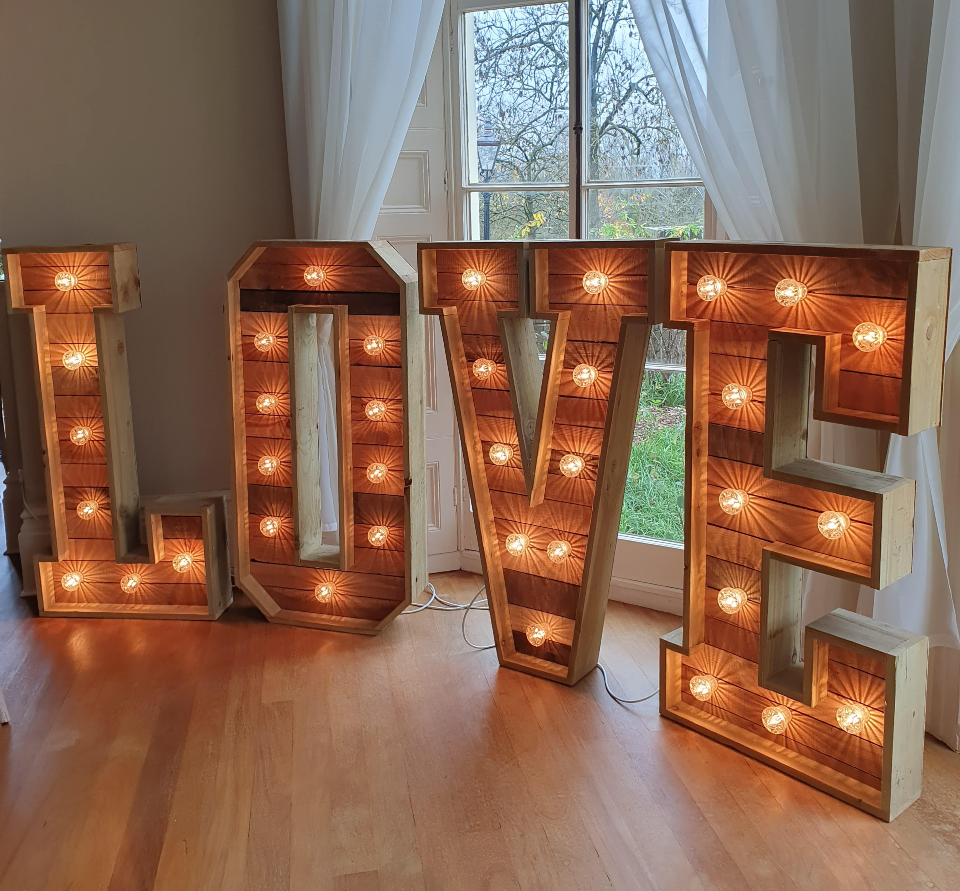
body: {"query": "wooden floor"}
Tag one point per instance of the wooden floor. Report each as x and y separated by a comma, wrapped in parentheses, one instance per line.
(240, 756)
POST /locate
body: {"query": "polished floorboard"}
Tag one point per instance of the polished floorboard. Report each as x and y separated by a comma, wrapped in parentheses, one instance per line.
(240, 756)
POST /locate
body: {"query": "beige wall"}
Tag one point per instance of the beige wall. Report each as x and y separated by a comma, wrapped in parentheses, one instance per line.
(162, 124)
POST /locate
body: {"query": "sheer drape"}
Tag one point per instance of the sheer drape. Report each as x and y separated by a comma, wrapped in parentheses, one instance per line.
(352, 72)
(763, 94)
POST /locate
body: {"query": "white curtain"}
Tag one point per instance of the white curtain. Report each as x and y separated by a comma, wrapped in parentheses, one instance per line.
(352, 72)
(763, 94)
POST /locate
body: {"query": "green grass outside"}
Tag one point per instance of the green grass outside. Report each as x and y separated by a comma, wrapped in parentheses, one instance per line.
(653, 498)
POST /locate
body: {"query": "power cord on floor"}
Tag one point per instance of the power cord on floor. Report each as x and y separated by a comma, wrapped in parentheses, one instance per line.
(450, 606)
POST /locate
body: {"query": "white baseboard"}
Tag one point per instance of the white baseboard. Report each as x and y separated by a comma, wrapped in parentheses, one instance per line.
(658, 597)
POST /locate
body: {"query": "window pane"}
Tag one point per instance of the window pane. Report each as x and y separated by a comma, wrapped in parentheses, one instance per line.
(653, 499)
(669, 212)
(512, 215)
(632, 134)
(521, 95)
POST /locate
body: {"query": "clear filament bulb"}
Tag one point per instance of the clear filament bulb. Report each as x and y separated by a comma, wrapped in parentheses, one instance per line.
(270, 526)
(70, 581)
(64, 281)
(571, 465)
(733, 500)
(702, 686)
(473, 279)
(594, 282)
(710, 287)
(182, 562)
(130, 582)
(833, 524)
(868, 337)
(852, 718)
(775, 718)
(80, 435)
(314, 276)
(730, 600)
(537, 634)
(500, 453)
(584, 375)
(736, 395)
(268, 464)
(375, 410)
(264, 341)
(789, 291)
(73, 359)
(516, 543)
(377, 536)
(377, 472)
(266, 403)
(324, 592)
(483, 368)
(87, 510)
(558, 551)
(373, 345)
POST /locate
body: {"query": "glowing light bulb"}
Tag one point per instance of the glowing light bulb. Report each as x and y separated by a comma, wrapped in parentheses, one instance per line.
(80, 435)
(733, 500)
(483, 368)
(710, 287)
(731, 599)
(87, 510)
(500, 453)
(268, 464)
(775, 718)
(130, 582)
(584, 375)
(558, 551)
(314, 276)
(71, 581)
(868, 337)
(537, 635)
(702, 686)
(516, 543)
(789, 291)
(594, 282)
(833, 524)
(377, 472)
(377, 536)
(736, 395)
(73, 359)
(375, 410)
(264, 341)
(852, 718)
(324, 592)
(571, 465)
(267, 403)
(64, 281)
(270, 526)
(373, 345)
(473, 279)
(182, 562)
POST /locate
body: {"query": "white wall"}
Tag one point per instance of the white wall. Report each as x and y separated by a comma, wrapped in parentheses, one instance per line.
(162, 124)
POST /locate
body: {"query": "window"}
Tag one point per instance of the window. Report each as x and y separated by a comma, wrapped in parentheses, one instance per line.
(607, 163)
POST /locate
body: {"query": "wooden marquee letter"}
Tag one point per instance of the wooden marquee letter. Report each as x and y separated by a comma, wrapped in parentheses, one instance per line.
(293, 309)
(839, 704)
(103, 562)
(546, 344)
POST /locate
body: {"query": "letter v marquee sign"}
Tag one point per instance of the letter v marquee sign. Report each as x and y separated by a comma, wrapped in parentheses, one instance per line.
(546, 344)
(840, 703)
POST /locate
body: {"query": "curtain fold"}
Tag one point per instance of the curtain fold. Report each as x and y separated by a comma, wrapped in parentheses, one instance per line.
(763, 95)
(352, 72)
